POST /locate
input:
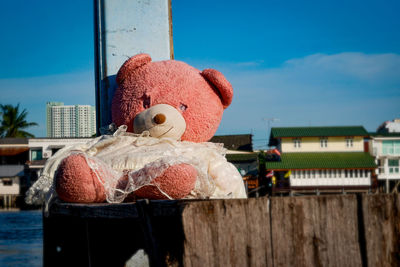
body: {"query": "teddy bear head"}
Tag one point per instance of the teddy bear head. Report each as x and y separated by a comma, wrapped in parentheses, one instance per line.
(170, 99)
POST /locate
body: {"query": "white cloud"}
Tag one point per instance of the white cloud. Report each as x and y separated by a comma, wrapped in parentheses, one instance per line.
(366, 67)
(319, 89)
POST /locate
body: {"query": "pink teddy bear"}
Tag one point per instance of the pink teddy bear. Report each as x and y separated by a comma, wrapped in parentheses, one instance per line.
(168, 109)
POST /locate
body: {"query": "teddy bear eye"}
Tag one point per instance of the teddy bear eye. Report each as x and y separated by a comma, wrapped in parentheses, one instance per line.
(182, 107)
(146, 101)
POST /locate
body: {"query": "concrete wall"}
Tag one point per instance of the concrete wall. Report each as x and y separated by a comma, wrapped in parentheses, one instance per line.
(47, 144)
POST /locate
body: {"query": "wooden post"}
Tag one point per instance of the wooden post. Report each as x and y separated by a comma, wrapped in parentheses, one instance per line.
(227, 233)
(124, 28)
(315, 231)
(382, 229)
(336, 230)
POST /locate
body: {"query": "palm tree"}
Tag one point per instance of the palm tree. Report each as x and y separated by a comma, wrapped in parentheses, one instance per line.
(14, 122)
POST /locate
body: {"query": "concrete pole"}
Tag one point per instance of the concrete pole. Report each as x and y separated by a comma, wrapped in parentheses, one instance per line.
(124, 28)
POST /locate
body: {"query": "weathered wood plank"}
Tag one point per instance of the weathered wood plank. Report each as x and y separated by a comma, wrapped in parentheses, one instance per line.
(227, 233)
(315, 231)
(382, 229)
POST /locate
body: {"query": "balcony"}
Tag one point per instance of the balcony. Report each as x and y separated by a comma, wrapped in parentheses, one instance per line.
(388, 173)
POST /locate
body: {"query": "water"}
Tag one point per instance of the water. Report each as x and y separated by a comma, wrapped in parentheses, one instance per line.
(21, 238)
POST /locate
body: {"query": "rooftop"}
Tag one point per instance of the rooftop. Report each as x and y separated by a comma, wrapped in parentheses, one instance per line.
(13, 141)
(319, 131)
(241, 142)
(242, 157)
(316, 160)
(374, 134)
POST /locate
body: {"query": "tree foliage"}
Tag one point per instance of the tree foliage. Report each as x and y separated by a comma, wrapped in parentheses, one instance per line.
(13, 122)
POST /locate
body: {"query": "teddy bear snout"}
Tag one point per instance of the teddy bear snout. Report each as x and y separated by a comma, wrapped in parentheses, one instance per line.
(159, 118)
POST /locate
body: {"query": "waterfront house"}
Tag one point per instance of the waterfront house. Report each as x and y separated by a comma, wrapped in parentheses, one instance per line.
(385, 147)
(321, 160)
(13, 155)
(21, 163)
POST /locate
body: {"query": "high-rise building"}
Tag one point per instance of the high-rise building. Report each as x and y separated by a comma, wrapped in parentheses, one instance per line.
(70, 121)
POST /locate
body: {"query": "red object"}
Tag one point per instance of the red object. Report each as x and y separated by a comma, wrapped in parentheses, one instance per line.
(276, 151)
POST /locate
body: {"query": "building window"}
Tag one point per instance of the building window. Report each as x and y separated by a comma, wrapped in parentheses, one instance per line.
(324, 141)
(393, 166)
(7, 182)
(297, 142)
(391, 147)
(36, 154)
(349, 141)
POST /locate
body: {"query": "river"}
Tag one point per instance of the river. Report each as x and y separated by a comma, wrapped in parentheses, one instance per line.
(21, 238)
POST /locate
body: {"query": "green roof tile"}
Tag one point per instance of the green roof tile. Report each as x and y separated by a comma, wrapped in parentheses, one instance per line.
(318, 131)
(334, 160)
(242, 157)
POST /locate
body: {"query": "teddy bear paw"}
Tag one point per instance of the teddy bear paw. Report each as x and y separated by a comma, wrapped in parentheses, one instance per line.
(176, 182)
(76, 181)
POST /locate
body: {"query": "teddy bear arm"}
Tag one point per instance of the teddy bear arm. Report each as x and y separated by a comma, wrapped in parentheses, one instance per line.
(177, 181)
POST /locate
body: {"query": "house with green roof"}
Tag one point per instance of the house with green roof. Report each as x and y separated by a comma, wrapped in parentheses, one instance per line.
(321, 160)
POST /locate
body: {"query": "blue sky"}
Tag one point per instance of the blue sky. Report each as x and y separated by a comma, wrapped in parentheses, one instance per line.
(303, 62)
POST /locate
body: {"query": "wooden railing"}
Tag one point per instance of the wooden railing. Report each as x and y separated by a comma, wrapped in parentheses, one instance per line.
(335, 230)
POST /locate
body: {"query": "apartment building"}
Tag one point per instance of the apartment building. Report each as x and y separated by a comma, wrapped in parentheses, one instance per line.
(70, 121)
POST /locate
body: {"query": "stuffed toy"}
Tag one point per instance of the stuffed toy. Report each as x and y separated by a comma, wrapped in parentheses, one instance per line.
(164, 112)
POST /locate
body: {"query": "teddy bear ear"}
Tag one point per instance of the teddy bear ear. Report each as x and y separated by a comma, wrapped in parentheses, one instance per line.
(131, 64)
(219, 81)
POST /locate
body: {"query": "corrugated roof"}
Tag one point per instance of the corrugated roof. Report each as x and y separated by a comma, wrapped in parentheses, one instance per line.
(334, 160)
(12, 151)
(13, 141)
(241, 142)
(384, 134)
(318, 131)
(11, 170)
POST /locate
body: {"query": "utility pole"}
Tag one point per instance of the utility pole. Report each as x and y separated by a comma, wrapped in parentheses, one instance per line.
(268, 121)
